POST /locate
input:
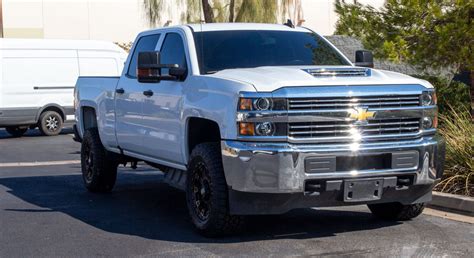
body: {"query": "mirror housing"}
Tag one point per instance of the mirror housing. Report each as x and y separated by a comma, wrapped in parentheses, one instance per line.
(149, 68)
(364, 58)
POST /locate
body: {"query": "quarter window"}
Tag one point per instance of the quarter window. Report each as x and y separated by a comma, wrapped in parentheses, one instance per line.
(145, 43)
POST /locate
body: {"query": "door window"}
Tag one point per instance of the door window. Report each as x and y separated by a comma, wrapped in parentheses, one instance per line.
(145, 43)
(172, 51)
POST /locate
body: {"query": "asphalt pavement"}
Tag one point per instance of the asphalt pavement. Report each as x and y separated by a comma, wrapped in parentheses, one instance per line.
(45, 211)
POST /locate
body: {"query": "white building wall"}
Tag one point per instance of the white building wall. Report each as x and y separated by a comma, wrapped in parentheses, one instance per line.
(119, 20)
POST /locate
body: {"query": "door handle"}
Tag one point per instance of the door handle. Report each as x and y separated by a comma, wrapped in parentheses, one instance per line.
(148, 93)
(120, 91)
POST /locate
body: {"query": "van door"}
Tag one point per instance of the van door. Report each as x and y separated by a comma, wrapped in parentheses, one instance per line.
(33, 79)
(129, 100)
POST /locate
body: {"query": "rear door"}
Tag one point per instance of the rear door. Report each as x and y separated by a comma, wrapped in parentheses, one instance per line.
(129, 100)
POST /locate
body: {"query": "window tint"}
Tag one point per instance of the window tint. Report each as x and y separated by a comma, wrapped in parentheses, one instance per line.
(219, 50)
(146, 43)
(172, 51)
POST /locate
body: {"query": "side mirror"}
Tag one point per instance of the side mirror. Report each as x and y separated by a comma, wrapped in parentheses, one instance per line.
(178, 72)
(149, 67)
(364, 58)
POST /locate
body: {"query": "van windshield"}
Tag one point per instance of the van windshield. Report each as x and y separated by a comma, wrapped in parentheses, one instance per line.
(219, 50)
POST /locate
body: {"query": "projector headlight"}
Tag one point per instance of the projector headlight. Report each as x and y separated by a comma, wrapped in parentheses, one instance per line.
(428, 98)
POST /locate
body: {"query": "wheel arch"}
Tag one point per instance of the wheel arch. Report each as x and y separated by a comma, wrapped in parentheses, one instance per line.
(51, 107)
(200, 130)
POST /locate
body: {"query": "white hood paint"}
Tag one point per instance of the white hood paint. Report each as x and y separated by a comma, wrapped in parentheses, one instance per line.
(271, 78)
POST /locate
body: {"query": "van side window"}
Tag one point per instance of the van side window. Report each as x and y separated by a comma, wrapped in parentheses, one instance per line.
(172, 51)
(145, 43)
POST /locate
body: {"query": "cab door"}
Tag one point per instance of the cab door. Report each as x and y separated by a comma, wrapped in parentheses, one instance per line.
(129, 99)
(162, 109)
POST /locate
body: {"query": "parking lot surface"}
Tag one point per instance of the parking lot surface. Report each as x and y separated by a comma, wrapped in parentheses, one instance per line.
(45, 211)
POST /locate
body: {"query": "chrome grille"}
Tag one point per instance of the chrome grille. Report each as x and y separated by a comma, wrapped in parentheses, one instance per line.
(348, 102)
(349, 129)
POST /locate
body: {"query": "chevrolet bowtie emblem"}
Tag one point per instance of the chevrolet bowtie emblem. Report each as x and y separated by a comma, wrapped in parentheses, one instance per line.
(361, 114)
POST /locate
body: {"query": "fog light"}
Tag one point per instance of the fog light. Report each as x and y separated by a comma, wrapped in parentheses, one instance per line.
(427, 123)
(264, 129)
(263, 104)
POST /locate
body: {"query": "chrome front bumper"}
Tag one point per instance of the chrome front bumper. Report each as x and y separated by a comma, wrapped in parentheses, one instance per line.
(280, 167)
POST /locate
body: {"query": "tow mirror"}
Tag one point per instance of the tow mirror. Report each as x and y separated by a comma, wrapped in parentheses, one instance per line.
(364, 58)
(149, 68)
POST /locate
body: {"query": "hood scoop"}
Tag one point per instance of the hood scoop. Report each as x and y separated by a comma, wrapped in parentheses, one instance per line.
(339, 72)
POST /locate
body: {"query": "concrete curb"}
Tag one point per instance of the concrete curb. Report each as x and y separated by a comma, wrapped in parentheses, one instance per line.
(453, 202)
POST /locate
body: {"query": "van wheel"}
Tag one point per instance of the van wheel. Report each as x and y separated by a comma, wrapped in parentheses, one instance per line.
(207, 193)
(50, 123)
(396, 211)
(16, 131)
(99, 167)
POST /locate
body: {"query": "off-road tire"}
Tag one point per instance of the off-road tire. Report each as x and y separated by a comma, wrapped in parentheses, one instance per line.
(396, 211)
(50, 123)
(99, 167)
(219, 221)
(16, 131)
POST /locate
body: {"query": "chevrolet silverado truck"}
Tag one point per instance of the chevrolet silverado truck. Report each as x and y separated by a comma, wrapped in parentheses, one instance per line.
(255, 119)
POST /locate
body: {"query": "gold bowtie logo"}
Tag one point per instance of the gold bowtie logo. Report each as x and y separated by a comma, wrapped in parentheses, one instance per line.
(361, 114)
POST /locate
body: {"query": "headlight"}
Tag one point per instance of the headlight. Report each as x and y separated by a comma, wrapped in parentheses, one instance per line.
(427, 122)
(428, 98)
(261, 104)
(262, 129)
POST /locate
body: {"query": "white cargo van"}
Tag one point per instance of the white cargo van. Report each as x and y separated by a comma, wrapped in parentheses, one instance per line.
(37, 78)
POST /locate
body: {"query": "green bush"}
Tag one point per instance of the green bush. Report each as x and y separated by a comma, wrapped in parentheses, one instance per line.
(450, 94)
(458, 130)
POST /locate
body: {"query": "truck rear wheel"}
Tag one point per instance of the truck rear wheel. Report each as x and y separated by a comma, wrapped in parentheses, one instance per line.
(16, 131)
(396, 211)
(99, 167)
(207, 193)
(50, 123)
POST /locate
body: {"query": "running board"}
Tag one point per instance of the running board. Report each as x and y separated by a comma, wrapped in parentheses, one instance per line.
(176, 178)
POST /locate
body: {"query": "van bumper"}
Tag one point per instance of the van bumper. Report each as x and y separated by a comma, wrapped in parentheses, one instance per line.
(272, 178)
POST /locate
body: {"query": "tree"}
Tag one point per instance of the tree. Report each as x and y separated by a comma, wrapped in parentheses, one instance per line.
(265, 11)
(428, 33)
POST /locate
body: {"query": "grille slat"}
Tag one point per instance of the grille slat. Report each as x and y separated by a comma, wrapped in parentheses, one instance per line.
(389, 127)
(348, 102)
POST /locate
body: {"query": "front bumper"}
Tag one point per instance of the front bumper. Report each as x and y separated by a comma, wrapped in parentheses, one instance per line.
(279, 168)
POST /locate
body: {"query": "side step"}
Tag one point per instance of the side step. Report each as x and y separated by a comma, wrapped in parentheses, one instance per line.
(176, 178)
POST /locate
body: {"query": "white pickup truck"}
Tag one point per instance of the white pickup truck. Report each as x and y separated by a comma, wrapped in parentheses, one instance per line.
(261, 119)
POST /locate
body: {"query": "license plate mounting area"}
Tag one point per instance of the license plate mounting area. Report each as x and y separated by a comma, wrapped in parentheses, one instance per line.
(363, 190)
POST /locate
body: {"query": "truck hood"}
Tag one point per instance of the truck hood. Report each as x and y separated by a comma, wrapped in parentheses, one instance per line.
(270, 78)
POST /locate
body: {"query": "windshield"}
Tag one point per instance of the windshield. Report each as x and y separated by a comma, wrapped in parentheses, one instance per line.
(219, 50)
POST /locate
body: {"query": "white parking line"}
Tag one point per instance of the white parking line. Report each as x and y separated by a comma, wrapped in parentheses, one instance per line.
(39, 163)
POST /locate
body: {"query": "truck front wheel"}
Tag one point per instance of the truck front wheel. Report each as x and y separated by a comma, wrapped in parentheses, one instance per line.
(207, 193)
(396, 211)
(99, 167)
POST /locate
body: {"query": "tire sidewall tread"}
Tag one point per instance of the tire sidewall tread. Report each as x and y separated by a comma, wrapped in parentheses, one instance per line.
(105, 166)
(220, 221)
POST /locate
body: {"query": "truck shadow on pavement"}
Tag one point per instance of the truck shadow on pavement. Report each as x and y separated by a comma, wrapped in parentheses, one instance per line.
(142, 205)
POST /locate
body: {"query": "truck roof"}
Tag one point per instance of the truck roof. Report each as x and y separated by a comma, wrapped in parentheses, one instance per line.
(236, 26)
(58, 44)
